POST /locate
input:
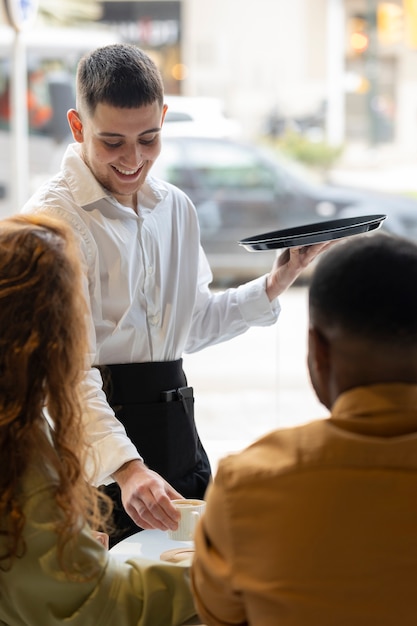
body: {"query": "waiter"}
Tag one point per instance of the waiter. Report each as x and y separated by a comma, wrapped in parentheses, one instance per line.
(147, 288)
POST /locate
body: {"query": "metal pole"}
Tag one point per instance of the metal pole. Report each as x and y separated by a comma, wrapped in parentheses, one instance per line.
(335, 113)
(19, 125)
(371, 68)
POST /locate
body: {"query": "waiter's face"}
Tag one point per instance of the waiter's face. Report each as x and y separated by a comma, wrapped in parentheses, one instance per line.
(119, 145)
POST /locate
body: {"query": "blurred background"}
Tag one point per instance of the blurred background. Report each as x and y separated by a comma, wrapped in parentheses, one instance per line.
(280, 113)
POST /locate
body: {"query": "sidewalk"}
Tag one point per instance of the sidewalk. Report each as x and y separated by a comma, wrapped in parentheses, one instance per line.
(254, 383)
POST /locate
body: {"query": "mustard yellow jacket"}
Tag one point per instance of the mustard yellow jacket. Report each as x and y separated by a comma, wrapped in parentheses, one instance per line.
(317, 525)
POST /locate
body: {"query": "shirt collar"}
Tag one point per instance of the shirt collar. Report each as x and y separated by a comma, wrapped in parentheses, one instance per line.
(381, 410)
(87, 190)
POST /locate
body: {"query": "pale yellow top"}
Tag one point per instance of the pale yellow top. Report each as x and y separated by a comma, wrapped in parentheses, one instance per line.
(35, 592)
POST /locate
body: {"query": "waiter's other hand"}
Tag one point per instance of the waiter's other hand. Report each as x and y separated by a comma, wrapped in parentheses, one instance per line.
(146, 496)
(289, 265)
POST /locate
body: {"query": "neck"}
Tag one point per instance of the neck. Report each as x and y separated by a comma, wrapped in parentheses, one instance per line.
(372, 366)
(130, 201)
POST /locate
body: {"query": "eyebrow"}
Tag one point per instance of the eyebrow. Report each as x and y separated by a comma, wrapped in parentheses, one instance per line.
(145, 132)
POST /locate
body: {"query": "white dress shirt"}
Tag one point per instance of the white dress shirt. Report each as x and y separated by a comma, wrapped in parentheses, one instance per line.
(147, 285)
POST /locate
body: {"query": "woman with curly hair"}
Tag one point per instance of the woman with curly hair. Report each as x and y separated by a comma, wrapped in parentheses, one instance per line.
(53, 567)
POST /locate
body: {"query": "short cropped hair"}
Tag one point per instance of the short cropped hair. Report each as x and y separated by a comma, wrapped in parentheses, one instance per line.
(120, 75)
(367, 286)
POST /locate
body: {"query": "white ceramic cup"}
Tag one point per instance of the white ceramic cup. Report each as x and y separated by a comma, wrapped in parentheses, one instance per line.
(190, 510)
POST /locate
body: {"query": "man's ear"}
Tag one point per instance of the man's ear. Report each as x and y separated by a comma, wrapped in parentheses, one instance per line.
(319, 365)
(164, 112)
(76, 125)
(319, 347)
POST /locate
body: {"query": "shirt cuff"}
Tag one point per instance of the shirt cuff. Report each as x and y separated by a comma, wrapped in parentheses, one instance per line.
(254, 304)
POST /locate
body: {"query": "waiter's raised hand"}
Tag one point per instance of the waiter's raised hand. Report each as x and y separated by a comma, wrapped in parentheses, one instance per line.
(289, 265)
(146, 497)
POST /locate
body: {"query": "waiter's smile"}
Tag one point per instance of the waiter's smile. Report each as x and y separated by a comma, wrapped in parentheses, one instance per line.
(127, 174)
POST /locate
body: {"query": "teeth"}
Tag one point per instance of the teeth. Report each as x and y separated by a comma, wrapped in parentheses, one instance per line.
(128, 172)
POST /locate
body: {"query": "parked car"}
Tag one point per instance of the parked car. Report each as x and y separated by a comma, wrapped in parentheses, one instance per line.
(197, 115)
(240, 190)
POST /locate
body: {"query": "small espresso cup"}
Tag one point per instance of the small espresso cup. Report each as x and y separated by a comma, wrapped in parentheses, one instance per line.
(190, 510)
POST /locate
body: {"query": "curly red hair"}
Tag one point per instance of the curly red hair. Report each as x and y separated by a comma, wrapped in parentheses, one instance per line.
(43, 356)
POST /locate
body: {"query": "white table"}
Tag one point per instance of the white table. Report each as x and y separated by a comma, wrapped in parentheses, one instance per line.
(150, 544)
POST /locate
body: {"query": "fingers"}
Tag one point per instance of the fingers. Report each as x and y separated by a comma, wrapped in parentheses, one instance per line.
(149, 503)
(289, 265)
(149, 513)
(302, 257)
(314, 250)
(299, 257)
(309, 253)
(283, 258)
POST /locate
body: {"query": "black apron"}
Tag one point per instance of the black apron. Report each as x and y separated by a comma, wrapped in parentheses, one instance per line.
(161, 425)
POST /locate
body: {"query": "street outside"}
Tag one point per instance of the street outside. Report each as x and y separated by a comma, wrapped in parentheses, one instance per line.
(243, 387)
(259, 381)
(254, 383)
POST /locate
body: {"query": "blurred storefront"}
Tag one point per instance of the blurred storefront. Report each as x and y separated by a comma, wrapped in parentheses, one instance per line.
(381, 81)
(345, 66)
(342, 67)
(155, 26)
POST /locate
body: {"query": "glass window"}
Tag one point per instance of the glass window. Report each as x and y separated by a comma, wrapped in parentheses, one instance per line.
(221, 165)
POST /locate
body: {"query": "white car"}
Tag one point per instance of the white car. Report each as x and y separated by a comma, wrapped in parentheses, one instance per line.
(198, 117)
(241, 190)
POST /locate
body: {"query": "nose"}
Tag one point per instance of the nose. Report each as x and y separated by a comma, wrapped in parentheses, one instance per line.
(132, 155)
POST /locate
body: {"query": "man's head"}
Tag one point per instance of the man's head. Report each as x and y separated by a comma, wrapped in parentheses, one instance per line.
(120, 75)
(363, 315)
(119, 116)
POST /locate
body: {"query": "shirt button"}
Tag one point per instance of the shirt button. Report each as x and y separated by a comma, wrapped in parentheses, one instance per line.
(150, 270)
(154, 320)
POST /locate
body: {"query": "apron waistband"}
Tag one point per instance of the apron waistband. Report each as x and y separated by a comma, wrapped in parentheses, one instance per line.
(141, 383)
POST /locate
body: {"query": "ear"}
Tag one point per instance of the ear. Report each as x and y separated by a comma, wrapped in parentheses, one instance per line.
(76, 125)
(319, 365)
(164, 112)
(319, 349)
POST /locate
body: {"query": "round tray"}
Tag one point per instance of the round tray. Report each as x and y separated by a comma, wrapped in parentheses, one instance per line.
(313, 233)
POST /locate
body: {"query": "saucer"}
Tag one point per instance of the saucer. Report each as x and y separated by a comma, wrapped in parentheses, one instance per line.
(178, 555)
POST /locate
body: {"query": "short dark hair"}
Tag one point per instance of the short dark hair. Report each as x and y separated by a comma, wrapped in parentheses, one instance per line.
(367, 286)
(120, 75)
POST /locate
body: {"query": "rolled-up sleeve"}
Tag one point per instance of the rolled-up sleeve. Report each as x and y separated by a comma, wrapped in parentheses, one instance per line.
(110, 447)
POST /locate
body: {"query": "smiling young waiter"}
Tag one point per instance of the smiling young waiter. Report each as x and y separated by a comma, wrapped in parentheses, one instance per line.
(147, 284)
